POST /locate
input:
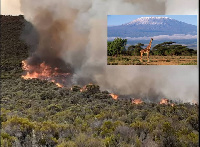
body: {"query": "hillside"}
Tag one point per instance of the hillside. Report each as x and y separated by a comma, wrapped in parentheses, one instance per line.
(38, 113)
(13, 49)
(151, 26)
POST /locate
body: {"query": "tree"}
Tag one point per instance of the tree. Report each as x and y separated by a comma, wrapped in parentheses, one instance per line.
(109, 48)
(138, 48)
(116, 47)
(168, 48)
(130, 50)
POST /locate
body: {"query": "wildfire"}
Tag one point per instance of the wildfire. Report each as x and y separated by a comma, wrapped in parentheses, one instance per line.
(137, 101)
(44, 72)
(114, 96)
(84, 88)
(166, 102)
(194, 102)
(58, 84)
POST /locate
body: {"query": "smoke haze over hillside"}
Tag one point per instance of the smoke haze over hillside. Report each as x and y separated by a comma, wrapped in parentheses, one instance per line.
(76, 33)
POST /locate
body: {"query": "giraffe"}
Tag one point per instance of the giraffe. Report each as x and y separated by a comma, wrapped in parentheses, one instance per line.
(146, 50)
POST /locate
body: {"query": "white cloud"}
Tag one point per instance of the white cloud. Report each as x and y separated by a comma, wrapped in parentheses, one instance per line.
(161, 37)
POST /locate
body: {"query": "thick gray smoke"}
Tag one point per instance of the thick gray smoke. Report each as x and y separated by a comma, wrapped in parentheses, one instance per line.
(75, 31)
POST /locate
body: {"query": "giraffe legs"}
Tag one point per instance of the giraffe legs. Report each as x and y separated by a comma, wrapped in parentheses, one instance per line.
(148, 57)
(141, 56)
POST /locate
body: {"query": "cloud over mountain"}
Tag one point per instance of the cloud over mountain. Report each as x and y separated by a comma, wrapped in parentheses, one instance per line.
(161, 37)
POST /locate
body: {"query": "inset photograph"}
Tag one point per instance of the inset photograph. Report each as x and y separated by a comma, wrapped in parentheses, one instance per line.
(152, 40)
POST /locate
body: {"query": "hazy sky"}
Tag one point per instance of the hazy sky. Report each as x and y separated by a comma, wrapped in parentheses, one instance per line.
(121, 19)
(10, 7)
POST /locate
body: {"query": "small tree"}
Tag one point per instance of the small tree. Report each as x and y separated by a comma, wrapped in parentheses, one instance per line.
(130, 50)
(138, 48)
(115, 47)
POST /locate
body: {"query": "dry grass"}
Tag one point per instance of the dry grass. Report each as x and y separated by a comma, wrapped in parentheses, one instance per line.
(154, 60)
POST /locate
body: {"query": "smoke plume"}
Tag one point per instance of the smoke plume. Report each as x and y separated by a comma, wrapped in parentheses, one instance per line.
(75, 32)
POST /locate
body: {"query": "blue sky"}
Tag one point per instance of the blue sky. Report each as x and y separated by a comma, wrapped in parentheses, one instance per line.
(121, 19)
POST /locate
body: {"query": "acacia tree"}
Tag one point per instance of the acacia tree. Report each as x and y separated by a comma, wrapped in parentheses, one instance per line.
(134, 50)
(168, 48)
(130, 50)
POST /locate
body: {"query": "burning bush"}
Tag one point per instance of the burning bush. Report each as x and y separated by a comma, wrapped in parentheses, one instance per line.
(45, 72)
(114, 96)
(90, 89)
(137, 101)
(166, 102)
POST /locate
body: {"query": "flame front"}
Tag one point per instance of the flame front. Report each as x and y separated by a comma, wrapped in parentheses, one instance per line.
(164, 101)
(43, 72)
(137, 101)
(57, 84)
(84, 88)
(114, 96)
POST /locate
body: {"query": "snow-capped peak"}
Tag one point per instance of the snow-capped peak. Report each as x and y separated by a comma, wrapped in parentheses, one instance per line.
(149, 20)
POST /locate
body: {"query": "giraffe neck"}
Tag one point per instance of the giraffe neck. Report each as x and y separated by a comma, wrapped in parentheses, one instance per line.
(149, 46)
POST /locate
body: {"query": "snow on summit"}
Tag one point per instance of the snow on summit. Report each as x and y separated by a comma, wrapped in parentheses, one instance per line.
(149, 20)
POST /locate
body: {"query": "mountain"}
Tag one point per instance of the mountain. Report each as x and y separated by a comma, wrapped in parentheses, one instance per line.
(151, 26)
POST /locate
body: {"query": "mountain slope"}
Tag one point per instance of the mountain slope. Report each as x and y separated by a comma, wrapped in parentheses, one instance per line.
(151, 26)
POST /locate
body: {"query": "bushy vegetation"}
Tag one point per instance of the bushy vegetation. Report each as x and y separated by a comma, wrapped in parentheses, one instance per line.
(35, 111)
(13, 49)
(117, 47)
(38, 113)
(171, 49)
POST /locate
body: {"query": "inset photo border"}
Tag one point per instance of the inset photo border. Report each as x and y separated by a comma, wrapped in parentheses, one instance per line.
(152, 40)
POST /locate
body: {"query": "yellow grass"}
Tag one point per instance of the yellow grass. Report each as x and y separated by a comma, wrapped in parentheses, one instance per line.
(154, 60)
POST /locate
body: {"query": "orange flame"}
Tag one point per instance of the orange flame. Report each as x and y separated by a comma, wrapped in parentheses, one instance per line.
(41, 71)
(137, 101)
(33, 75)
(194, 102)
(172, 105)
(83, 89)
(114, 96)
(166, 102)
(58, 84)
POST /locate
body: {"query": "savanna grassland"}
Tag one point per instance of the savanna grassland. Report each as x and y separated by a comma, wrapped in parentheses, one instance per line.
(38, 113)
(166, 53)
(154, 60)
